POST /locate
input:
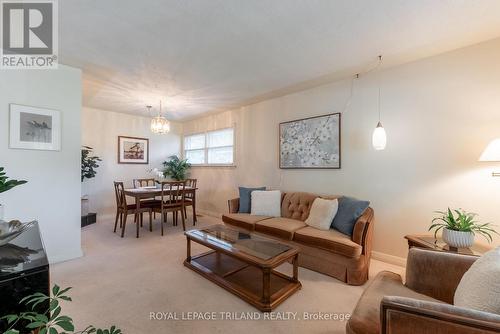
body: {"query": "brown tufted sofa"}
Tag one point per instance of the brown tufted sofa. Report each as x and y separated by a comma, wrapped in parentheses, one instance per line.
(328, 252)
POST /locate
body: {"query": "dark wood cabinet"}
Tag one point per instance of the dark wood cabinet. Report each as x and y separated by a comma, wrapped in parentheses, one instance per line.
(24, 270)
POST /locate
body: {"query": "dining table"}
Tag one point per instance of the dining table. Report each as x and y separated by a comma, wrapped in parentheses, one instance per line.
(141, 193)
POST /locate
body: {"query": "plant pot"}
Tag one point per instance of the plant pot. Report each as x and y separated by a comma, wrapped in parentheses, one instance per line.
(2, 207)
(458, 239)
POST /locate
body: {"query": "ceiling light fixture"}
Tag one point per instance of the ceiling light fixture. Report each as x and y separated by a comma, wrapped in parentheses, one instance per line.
(379, 137)
(159, 124)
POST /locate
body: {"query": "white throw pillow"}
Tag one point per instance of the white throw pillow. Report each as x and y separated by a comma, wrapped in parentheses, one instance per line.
(266, 203)
(322, 213)
(479, 288)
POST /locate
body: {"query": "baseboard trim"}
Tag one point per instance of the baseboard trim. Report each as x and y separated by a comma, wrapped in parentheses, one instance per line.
(391, 259)
(209, 213)
(66, 256)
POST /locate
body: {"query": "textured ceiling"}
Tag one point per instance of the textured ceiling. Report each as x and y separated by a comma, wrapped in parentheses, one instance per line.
(206, 55)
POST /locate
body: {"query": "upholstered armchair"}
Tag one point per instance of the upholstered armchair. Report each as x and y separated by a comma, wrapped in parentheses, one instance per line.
(424, 304)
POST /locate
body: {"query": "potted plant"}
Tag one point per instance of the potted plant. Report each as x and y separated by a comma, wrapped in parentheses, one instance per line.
(89, 166)
(50, 321)
(5, 185)
(176, 168)
(459, 228)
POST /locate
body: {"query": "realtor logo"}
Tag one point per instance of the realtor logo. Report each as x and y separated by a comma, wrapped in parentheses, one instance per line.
(28, 34)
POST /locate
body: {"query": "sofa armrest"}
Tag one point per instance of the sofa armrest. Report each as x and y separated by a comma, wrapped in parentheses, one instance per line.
(234, 205)
(407, 315)
(363, 231)
(436, 274)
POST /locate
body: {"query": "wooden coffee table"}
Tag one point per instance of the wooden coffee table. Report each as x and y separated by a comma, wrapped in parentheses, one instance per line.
(243, 263)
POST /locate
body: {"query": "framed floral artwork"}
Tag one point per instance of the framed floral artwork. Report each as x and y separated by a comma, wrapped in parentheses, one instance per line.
(312, 142)
(34, 128)
(133, 150)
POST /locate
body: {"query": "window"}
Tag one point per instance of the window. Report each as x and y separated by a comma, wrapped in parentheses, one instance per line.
(210, 148)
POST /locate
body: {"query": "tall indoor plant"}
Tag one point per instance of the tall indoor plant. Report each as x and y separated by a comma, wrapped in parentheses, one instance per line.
(89, 166)
(5, 185)
(459, 228)
(176, 168)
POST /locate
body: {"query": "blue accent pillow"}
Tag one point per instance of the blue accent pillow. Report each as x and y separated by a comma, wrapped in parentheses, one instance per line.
(350, 209)
(245, 198)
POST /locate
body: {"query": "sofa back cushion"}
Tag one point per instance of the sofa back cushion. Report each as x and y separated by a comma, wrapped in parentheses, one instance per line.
(246, 198)
(296, 205)
(266, 203)
(350, 209)
(322, 213)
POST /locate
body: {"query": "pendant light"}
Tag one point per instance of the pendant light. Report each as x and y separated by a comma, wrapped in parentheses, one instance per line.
(379, 137)
(159, 124)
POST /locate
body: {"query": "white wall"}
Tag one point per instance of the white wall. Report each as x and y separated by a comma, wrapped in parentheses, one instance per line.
(100, 130)
(439, 114)
(52, 194)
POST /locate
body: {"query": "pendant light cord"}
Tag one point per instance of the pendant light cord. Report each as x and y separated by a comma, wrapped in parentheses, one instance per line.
(357, 76)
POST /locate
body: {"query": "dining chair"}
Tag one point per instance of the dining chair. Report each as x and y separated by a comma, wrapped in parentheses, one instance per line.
(138, 183)
(123, 210)
(144, 183)
(172, 200)
(189, 198)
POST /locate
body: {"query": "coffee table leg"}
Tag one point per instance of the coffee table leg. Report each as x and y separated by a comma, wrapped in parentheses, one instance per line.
(188, 249)
(266, 286)
(296, 268)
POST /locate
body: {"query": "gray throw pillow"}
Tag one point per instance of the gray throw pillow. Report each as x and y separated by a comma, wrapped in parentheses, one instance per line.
(246, 198)
(350, 209)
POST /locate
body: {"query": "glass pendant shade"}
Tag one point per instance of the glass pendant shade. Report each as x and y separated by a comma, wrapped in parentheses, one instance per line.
(159, 124)
(379, 137)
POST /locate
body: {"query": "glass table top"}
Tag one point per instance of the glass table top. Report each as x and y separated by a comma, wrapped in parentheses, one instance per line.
(238, 241)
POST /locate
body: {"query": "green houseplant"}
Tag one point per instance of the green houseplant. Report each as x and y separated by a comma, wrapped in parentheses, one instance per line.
(459, 227)
(5, 185)
(50, 321)
(89, 163)
(176, 168)
(89, 166)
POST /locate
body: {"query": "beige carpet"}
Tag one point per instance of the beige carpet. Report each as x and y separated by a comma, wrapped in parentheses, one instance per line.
(120, 281)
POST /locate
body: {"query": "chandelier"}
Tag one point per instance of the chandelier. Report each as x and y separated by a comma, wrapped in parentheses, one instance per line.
(159, 124)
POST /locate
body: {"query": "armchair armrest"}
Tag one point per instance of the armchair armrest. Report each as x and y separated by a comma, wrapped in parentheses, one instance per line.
(363, 231)
(407, 315)
(234, 205)
(436, 274)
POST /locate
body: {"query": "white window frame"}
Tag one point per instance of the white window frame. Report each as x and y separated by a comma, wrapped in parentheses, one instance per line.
(206, 148)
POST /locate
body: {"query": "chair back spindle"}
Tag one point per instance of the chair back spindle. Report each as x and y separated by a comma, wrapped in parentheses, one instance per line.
(192, 184)
(121, 199)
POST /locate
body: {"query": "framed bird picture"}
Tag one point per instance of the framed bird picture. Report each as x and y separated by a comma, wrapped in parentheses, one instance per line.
(133, 150)
(34, 128)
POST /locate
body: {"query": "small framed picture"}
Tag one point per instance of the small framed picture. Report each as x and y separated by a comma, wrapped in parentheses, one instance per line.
(133, 150)
(34, 128)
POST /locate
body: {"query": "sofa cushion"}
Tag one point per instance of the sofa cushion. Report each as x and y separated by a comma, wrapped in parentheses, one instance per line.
(366, 316)
(479, 288)
(296, 205)
(322, 213)
(331, 240)
(246, 198)
(243, 220)
(279, 227)
(350, 209)
(266, 203)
